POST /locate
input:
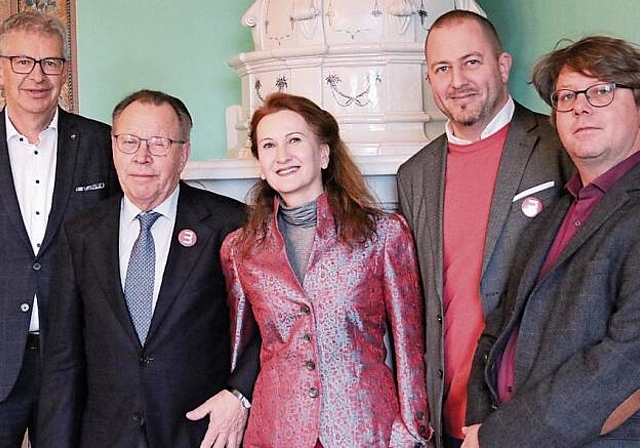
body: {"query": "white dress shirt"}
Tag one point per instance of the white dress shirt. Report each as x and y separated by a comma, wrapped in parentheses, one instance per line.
(161, 230)
(34, 173)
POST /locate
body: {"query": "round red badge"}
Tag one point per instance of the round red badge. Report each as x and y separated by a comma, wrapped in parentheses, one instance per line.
(187, 237)
(531, 207)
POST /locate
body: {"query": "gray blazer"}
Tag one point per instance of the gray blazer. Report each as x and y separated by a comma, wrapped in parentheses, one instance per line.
(532, 156)
(577, 366)
(84, 175)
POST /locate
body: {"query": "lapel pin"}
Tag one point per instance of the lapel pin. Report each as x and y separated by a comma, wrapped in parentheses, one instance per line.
(531, 207)
(73, 136)
(187, 237)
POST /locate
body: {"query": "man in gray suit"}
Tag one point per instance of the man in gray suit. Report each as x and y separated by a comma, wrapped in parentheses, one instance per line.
(53, 165)
(468, 196)
(559, 364)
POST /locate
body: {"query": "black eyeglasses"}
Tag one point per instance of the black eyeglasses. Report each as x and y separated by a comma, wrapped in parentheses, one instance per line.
(23, 65)
(598, 95)
(158, 146)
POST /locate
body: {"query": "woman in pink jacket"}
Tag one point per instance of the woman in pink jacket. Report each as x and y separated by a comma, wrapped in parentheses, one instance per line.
(321, 272)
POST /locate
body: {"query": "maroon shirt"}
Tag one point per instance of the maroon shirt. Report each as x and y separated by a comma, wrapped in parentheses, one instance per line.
(585, 200)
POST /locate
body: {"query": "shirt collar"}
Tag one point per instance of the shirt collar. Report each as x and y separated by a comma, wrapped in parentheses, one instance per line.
(502, 118)
(11, 130)
(605, 181)
(168, 208)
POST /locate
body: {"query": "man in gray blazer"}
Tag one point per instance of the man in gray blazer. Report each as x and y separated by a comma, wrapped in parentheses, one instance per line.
(468, 196)
(559, 364)
(53, 165)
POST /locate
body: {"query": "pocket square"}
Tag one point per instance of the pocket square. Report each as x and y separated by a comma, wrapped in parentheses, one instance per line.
(91, 187)
(533, 190)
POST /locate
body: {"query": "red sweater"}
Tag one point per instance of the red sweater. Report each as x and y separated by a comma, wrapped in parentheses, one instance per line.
(470, 178)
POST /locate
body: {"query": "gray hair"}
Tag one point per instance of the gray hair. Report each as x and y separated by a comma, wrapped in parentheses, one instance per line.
(32, 21)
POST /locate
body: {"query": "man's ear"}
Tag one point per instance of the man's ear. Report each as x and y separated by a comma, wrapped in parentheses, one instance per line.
(504, 65)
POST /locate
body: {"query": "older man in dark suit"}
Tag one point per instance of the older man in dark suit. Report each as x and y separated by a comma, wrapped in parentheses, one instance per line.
(140, 331)
(559, 364)
(52, 166)
(468, 196)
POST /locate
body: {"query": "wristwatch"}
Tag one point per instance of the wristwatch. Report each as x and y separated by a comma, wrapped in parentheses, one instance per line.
(244, 401)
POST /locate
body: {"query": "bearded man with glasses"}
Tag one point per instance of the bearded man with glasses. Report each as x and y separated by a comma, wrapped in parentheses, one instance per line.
(53, 165)
(559, 364)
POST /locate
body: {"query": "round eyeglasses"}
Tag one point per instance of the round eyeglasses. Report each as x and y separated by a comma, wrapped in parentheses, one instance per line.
(24, 65)
(598, 95)
(157, 146)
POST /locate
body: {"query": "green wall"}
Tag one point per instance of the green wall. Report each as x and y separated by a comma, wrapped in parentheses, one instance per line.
(530, 29)
(182, 47)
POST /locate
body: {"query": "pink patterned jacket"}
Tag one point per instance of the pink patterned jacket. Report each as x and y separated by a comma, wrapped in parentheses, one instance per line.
(322, 362)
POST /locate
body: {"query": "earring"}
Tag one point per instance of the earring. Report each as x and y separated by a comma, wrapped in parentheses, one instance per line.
(325, 165)
(262, 176)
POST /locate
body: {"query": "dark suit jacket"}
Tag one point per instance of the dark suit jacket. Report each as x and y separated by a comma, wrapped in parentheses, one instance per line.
(99, 384)
(578, 353)
(532, 156)
(83, 160)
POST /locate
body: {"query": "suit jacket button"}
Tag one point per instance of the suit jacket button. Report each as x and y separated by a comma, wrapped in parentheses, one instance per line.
(36, 266)
(25, 307)
(136, 416)
(422, 429)
(310, 365)
(313, 392)
(305, 309)
(420, 415)
(306, 338)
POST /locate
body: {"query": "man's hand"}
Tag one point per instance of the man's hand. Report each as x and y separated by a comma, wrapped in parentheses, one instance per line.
(227, 419)
(471, 436)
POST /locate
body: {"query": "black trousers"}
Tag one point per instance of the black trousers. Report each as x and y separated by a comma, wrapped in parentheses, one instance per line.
(450, 442)
(19, 411)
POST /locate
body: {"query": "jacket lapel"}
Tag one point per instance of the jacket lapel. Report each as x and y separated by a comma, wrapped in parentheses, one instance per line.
(181, 260)
(513, 162)
(432, 192)
(106, 243)
(68, 140)
(612, 201)
(7, 189)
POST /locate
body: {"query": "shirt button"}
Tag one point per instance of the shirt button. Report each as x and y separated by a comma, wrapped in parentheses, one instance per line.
(306, 338)
(25, 307)
(37, 266)
(578, 223)
(313, 392)
(136, 416)
(305, 309)
(310, 365)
